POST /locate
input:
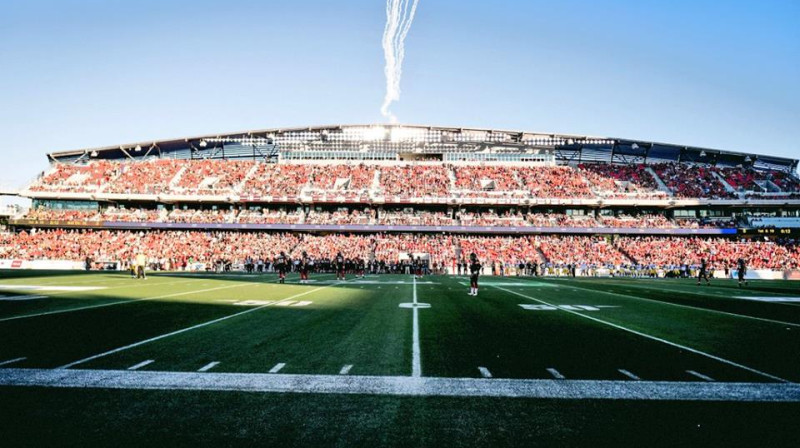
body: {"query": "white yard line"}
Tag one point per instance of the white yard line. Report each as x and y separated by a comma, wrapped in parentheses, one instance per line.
(11, 361)
(416, 362)
(700, 375)
(628, 374)
(122, 302)
(680, 305)
(141, 364)
(277, 367)
(485, 372)
(184, 330)
(404, 385)
(346, 369)
(23, 298)
(664, 341)
(556, 374)
(208, 366)
(47, 293)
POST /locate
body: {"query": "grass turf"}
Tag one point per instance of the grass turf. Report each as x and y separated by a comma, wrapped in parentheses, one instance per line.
(360, 323)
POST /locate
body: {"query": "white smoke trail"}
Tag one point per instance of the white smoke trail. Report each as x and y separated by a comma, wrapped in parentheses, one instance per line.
(399, 15)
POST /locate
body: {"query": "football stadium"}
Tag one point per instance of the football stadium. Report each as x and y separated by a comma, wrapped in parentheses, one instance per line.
(402, 285)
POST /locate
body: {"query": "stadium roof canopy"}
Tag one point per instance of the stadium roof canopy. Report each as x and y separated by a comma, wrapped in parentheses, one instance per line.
(565, 148)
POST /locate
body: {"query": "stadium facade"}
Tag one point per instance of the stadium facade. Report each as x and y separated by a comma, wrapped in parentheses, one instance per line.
(403, 179)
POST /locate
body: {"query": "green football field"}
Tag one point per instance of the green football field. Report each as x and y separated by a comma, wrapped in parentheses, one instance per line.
(191, 359)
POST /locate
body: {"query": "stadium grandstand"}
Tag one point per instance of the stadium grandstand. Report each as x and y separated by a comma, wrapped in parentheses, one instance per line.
(529, 202)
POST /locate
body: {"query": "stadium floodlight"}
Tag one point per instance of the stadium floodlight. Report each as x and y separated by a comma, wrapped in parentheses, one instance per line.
(93, 154)
(634, 146)
(203, 143)
(702, 153)
(138, 148)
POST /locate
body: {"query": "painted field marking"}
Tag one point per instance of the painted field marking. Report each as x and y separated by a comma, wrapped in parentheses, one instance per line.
(286, 303)
(60, 280)
(700, 375)
(125, 284)
(346, 369)
(664, 341)
(680, 305)
(121, 302)
(128, 285)
(303, 303)
(141, 364)
(404, 385)
(628, 374)
(391, 282)
(485, 372)
(414, 305)
(184, 330)
(769, 299)
(528, 306)
(50, 288)
(20, 298)
(416, 361)
(556, 374)
(277, 367)
(11, 361)
(251, 302)
(208, 366)
(527, 284)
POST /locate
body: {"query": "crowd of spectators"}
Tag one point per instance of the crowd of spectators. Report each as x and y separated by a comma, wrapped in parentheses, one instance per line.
(342, 177)
(69, 178)
(415, 218)
(487, 178)
(200, 216)
(720, 253)
(650, 221)
(576, 250)
(414, 181)
(561, 220)
(692, 181)
(555, 182)
(621, 181)
(256, 179)
(144, 177)
(271, 216)
(213, 177)
(277, 180)
(341, 217)
(489, 218)
(368, 216)
(181, 247)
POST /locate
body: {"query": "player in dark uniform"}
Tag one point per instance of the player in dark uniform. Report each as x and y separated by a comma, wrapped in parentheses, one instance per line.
(361, 267)
(281, 264)
(304, 266)
(742, 271)
(339, 265)
(474, 271)
(703, 274)
(418, 268)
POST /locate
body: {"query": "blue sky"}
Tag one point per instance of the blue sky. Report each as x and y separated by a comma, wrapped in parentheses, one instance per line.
(81, 73)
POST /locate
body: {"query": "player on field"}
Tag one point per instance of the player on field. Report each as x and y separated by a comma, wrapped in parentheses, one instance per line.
(742, 271)
(474, 271)
(141, 262)
(281, 264)
(339, 266)
(361, 267)
(418, 268)
(703, 274)
(304, 266)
